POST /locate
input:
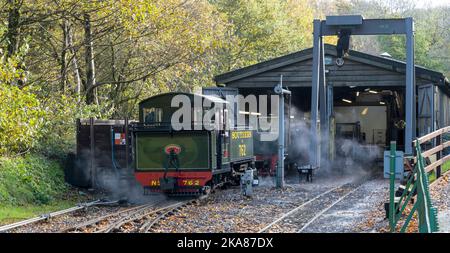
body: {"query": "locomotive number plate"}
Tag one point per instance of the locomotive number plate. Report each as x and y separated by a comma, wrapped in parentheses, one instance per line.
(242, 149)
(190, 182)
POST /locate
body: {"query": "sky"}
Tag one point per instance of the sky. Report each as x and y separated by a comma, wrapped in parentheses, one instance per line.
(432, 3)
(426, 3)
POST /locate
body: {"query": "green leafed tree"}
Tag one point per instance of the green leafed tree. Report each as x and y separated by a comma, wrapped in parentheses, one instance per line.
(263, 29)
(20, 111)
(100, 58)
(432, 33)
(432, 37)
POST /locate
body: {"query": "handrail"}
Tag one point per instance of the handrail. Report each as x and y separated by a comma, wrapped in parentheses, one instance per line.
(432, 135)
(437, 149)
(437, 163)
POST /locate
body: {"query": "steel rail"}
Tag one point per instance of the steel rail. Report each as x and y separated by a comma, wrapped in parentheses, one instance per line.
(135, 213)
(151, 223)
(48, 215)
(130, 217)
(101, 218)
(136, 216)
(326, 209)
(298, 207)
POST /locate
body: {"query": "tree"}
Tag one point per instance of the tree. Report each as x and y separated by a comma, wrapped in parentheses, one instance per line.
(113, 49)
(431, 39)
(263, 29)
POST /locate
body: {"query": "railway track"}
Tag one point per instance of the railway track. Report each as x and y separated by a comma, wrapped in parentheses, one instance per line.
(301, 217)
(49, 216)
(139, 219)
(93, 224)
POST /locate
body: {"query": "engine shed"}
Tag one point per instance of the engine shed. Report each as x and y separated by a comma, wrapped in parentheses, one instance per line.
(366, 96)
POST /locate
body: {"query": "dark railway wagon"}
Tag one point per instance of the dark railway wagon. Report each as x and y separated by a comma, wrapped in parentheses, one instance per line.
(101, 150)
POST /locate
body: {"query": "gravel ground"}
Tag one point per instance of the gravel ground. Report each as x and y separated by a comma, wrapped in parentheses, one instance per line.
(229, 211)
(439, 195)
(65, 221)
(351, 214)
(304, 215)
(444, 221)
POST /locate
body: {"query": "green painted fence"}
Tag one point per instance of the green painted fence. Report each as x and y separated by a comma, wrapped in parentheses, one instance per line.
(416, 192)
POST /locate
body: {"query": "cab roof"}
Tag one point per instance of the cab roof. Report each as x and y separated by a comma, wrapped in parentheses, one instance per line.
(170, 95)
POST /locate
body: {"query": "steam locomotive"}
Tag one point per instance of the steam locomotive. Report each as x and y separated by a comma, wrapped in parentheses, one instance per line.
(192, 160)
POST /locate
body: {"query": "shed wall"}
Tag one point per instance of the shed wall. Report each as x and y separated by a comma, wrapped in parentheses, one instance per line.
(352, 73)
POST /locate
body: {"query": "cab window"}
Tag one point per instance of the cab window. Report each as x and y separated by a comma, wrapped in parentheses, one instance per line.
(153, 115)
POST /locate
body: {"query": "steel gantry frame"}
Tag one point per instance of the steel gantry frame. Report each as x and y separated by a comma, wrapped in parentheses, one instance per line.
(357, 25)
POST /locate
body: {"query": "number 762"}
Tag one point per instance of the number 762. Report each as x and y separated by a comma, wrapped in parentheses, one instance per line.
(242, 150)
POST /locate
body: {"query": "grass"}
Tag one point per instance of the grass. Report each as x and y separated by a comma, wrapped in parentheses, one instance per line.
(444, 168)
(31, 179)
(11, 214)
(32, 185)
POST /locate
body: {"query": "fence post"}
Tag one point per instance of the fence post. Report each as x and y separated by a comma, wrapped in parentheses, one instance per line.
(392, 206)
(438, 156)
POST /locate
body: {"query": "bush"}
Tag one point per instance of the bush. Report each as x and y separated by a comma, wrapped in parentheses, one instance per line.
(21, 119)
(31, 179)
(58, 130)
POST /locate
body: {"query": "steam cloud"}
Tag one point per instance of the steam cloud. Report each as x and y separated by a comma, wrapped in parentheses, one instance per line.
(120, 184)
(352, 160)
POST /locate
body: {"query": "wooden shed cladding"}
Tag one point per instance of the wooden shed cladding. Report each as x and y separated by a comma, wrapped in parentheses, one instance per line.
(299, 74)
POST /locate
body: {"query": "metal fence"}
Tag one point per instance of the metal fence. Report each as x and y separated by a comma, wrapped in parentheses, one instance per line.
(414, 190)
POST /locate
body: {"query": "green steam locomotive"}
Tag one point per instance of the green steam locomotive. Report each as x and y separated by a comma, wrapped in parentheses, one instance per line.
(194, 158)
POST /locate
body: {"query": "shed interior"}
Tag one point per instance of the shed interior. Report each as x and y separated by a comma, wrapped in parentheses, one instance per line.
(367, 116)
